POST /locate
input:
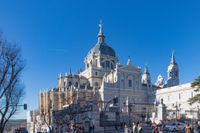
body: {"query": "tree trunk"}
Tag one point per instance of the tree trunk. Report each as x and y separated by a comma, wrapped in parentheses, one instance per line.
(1, 129)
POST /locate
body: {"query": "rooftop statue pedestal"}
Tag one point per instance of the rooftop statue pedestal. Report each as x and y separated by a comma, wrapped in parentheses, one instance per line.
(161, 111)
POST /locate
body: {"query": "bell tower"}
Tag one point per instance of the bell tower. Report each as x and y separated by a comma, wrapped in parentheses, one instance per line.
(173, 72)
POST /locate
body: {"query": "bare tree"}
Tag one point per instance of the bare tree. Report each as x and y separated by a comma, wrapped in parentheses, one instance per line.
(11, 88)
(46, 118)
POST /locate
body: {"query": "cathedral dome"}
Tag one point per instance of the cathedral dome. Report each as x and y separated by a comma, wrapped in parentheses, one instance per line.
(103, 49)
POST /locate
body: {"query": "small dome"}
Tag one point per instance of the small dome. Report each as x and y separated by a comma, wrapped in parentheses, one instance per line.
(102, 48)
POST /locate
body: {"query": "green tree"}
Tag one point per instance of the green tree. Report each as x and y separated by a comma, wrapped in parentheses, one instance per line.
(196, 86)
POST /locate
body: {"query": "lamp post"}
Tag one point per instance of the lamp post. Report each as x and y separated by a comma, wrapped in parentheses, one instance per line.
(177, 110)
(115, 101)
(130, 105)
(198, 112)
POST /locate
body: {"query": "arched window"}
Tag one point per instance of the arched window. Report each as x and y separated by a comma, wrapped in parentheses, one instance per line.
(111, 65)
(69, 83)
(129, 83)
(95, 62)
(170, 74)
(103, 64)
(76, 84)
(107, 64)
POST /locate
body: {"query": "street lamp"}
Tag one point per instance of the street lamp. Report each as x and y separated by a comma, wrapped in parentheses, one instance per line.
(177, 110)
(130, 105)
(115, 101)
(198, 112)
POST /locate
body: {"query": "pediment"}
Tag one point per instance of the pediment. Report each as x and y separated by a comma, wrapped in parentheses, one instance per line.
(130, 67)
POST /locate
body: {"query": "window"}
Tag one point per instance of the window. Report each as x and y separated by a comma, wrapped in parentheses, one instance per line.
(95, 62)
(107, 64)
(129, 83)
(76, 84)
(69, 83)
(96, 73)
(111, 65)
(103, 64)
(170, 74)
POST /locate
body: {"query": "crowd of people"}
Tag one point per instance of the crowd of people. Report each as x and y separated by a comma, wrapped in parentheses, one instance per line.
(75, 129)
(160, 128)
(193, 128)
(136, 128)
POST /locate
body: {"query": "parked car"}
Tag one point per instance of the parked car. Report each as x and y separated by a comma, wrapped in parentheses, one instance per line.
(175, 126)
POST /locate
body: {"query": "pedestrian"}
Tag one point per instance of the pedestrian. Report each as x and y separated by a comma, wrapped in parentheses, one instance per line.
(198, 123)
(135, 127)
(93, 128)
(188, 129)
(140, 128)
(196, 127)
(125, 128)
(154, 128)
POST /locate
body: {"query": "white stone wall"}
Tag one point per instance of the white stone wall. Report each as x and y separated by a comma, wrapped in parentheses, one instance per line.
(178, 96)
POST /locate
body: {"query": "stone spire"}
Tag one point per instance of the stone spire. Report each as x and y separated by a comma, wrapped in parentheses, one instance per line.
(146, 71)
(100, 34)
(70, 71)
(173, 72)
(129, 61)
(173, 58)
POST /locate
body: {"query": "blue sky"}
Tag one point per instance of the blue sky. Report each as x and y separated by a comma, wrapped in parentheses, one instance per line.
(56, 35)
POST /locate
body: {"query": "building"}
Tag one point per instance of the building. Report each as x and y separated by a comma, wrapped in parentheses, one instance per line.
(34, 122)
(176, 96)
(176, 99)
(16, 125)
(104, 79)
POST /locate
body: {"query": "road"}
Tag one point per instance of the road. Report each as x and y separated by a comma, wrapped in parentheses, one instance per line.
(147, 129)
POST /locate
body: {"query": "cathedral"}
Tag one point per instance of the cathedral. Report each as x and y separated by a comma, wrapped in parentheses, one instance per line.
(104, 79)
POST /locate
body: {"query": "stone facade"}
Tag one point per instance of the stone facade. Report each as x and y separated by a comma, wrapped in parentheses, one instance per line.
(176, 100)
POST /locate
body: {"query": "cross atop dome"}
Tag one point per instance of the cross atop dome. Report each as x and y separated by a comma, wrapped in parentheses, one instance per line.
(100, 28)
(100, 34)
